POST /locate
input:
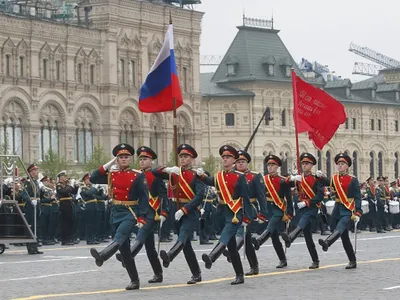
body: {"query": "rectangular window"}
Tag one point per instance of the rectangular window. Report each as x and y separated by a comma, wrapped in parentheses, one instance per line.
(271, 70)
(346, 124)
(132, 72)
(92, 74)
(44, 66)
(21, 66)
(229, 119)
(185, 85)
(379, 125)
(354, 123)
(396, 126)
(8, 65)
(122, 71)
(372, 124)
(79, 73)
(58, 70)
(283, 118)
(231, 70)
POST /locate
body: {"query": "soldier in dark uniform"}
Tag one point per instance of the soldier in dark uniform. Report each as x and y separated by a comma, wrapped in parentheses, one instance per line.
(48, 196)
(279, 206)
(54, 224)
(101, 216)
(65, 194)
(311, 192)
(234, 196)
(188, 192)
(88, 193)
(381, 205)
(157, 213)
(205, 215)
(370, 195)
(259, 205)
(128, 189)
(32, 199)
(347, 207)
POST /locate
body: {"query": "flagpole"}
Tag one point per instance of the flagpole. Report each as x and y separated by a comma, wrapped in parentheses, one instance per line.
(175, 121)
(296, 119)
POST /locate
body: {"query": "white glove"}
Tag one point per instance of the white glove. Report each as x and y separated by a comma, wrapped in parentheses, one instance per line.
(109, 164)
(244, 224)
(200, 172)
(301, 205)
(327, 193)
(356, 219)
(318, 173)
(295, 172)
(202, 211)
(162, 219)
(174, 170)
(179, 214)
(296, 178)
(139, 225)
(386, 210)
(34, 202)
(365, 195)
(395, 198)
(386, 207)
(0, 202)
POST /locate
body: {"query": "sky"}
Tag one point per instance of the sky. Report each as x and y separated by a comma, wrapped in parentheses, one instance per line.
(317, 30)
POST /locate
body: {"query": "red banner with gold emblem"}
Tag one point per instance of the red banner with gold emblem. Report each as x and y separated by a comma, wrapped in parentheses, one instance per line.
(226, 195)
(185, 187)
(342, 195)
(274, 194)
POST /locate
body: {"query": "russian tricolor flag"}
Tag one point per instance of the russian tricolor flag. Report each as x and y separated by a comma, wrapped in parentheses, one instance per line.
(162, 83)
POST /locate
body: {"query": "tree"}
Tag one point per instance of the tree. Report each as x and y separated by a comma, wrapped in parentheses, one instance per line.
(98, 158)
(211, 165)
(52, 164)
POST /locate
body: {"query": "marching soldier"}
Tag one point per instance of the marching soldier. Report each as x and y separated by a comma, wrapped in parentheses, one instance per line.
(156, 216)
(31, 198)
(347, 207)
(88, 194)
(65, 194)
(128, 189)
(279, 206)
(259, 205)
(188, 192)
(234, 196)
(45, 202)
(311, 193)
(205, 215)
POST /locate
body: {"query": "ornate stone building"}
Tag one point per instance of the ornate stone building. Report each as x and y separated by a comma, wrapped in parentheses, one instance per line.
(67, 88)
(255, 74)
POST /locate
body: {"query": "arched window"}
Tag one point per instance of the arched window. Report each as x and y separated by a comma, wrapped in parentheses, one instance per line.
(79, 75)
(21, 66)
(49, 136)
(355, 164)
(181, 135)
(11, 137)
(283, 117)
(319, 158)
(380, 164)
(83, 143)
(92, 74)
(7, 65)
(328, 157)
(396, 165)
(285, 164)
(127, 134)
(372, 164)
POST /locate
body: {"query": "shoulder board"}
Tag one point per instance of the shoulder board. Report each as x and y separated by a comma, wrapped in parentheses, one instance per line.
(283, 177)
(136, 171)
(238, 172)
(255, 173)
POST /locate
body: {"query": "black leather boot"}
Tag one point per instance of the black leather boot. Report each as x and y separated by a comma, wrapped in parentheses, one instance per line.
(289, 238)
(105, 254)
(158, 272)
(257, 242)
(314, 265)
(195, 279)
(329, 240)
(213, 256)
(238, 267)
(135, 249)
(351, 265)
(168, 257)
(157, 278)
(252, 257)
(239, 245)
(133, 275)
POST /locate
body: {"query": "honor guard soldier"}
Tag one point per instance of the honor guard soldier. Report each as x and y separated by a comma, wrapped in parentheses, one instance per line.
(311, 194)
(370, 195)
(157, 213)
(381, 206)
(188, 192)
(65, 194)
(32, 199)
(257, 196)
(279, 206)
(234, 196)
(347, 207)
(128, 189)
(88, 193)
(48, 196)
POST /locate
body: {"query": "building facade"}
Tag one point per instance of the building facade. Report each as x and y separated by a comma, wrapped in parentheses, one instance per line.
(255, 74)
(67, 88)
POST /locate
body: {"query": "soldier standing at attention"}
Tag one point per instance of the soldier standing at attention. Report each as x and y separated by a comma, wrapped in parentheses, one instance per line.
(311, 193)
(65, 193)
(32, 199)
(46, 200)
(128, 189)
(188, 193)
(279, 206)
(157, 213)
(234, 194)
(347, 207)
(381, 206)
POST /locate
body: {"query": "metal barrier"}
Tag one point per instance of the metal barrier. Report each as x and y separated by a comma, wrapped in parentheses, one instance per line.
(10, 211)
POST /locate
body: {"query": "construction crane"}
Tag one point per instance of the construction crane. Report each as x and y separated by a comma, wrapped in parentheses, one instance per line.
(366, 69)
(210, 60)
(382, 60)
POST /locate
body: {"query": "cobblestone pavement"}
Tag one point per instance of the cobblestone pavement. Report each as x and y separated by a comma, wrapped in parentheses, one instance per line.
(70, 273)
